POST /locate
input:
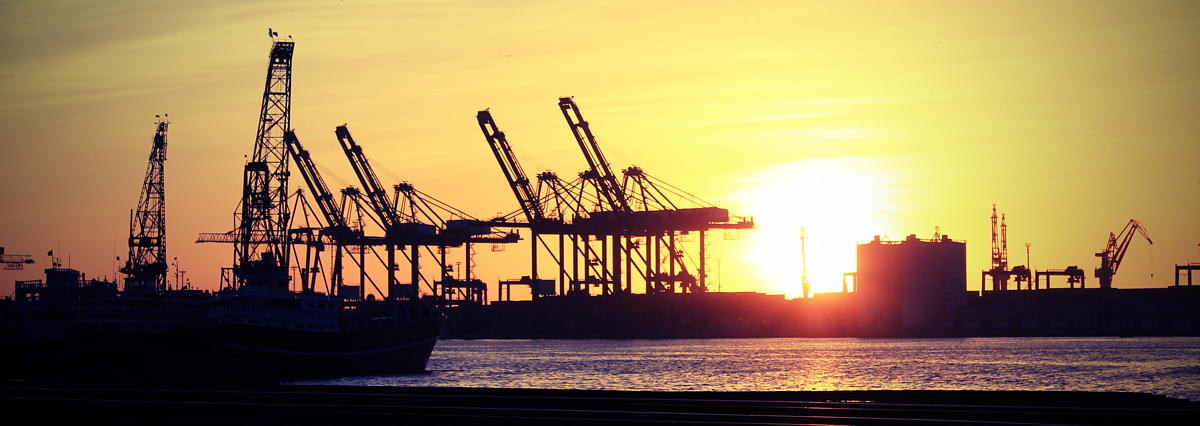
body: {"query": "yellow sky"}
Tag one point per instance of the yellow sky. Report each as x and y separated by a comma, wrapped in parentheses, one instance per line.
(848, 119)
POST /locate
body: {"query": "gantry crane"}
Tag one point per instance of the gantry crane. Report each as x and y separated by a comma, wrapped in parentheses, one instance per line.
(531, 205)
(411, 219)
(337, 229)
(394, 227)
(558, 208)
(1114, 251)
(146, 267)
(640, 207)
(598, 210)
(600, 269)
(14, 262)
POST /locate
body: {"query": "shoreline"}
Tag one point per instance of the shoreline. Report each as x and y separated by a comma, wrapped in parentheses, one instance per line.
(308, 404)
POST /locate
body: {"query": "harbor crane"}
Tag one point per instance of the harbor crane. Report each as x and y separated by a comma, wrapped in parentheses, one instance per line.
(617, 228)
(606, 181)
(999, 271)
(414, 219)
(146, 266)
(1114, 251)
(14, 262)
(262, 247)
(337, 227)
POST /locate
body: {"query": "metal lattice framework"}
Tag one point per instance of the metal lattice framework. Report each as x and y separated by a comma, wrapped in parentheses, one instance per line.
(146, 266)
(614, 229)
(1114, 251)
(262, 249)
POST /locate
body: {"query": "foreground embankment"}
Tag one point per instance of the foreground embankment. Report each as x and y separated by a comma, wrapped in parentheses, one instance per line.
(292, 405)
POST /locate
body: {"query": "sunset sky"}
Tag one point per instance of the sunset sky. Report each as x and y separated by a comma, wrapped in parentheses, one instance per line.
(850, 119)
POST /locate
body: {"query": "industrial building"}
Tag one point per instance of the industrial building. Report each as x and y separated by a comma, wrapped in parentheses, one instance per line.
(910, 284)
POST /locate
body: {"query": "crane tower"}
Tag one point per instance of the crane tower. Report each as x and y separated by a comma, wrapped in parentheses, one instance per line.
(262, 249)
(1114, 251)
(146, 266)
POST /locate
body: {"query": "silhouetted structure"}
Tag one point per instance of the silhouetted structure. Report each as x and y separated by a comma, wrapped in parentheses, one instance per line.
(1185, 269)
(910, 284)
(14, 262)
(262, 249)
(414, 219)
(999, 271)
(335, 229)
(146, 266)
(1114, 251)
(1074, 275)
(257, 315)
(804, 284)
(617, 229)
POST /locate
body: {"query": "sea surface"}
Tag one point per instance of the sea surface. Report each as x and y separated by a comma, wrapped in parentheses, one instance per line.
(1160, 365)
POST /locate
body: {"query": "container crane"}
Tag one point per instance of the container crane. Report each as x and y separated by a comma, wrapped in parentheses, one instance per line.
(410, 218)
(336, 228)
(382, 206)
(1114, 251)
(530, 202)
(146, 266)
(640, 207)
(602, 217)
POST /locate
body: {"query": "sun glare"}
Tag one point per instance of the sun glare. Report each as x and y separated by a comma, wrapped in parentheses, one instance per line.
(839, 202)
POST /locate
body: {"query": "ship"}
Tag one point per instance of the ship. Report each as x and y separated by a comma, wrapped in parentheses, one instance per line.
(299, 335)
(69, 328)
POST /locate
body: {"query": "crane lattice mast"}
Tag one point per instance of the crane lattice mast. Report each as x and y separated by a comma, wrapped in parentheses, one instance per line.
(146, 266)
(262, 249)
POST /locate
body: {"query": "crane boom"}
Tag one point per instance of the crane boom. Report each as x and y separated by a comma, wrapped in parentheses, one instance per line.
(316, 185)
(376, 196)
(146, 266)
(517, 180)
(606, 180)
(1114, 251)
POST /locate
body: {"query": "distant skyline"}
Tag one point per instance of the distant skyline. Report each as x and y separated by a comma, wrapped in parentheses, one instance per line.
(850, 119)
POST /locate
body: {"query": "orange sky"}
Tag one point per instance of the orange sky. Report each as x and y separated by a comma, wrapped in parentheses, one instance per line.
(849, 119)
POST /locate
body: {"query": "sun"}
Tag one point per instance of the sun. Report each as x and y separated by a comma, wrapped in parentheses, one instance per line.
(839, 202)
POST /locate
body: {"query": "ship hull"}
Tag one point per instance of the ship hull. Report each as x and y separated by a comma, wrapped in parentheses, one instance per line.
(399, 349)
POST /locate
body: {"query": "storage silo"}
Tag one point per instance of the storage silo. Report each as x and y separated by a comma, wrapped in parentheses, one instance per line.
(910, 284)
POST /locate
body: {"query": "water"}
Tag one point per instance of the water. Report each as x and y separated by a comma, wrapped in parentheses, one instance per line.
(1165, 366)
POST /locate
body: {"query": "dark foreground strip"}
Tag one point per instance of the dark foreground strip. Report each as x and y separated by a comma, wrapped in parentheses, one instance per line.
(312, 405)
